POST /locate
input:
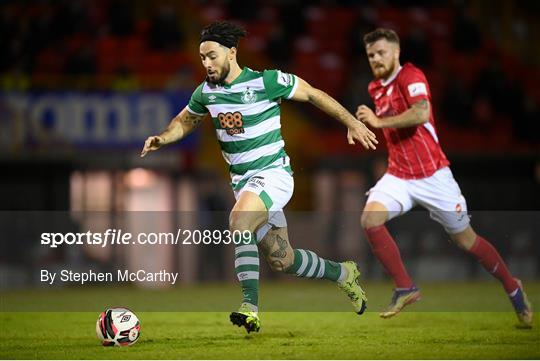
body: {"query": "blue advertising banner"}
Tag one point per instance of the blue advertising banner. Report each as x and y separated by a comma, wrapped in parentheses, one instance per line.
(87, 120)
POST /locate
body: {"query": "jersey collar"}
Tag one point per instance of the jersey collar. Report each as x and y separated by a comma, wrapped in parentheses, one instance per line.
(391, 79)
(238, 79)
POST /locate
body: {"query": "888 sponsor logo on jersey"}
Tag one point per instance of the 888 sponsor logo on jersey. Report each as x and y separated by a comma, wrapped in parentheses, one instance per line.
(233, 123)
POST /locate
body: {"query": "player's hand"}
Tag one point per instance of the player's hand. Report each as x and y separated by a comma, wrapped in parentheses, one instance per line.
(361, 133)
(366, 115)
(152, 143)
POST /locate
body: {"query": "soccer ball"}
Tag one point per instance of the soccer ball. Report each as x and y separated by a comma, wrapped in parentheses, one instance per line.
(118, 327)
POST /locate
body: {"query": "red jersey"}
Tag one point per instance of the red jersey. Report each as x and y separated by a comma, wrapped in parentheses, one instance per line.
(413, 152)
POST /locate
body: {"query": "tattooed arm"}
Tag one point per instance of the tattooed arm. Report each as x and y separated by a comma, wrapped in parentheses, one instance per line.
(179, 127)
(417, 114)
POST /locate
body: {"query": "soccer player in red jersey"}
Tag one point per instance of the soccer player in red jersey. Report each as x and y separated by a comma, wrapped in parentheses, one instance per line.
(417, 173)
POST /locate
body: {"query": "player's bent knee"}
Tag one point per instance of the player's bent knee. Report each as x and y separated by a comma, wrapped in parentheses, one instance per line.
(460, 243)
(246, 221)
(239, 222)
(372, 219)
(375, 214)
(465, 239)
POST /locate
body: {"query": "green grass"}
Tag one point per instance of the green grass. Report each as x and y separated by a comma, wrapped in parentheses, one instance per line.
(420, 333)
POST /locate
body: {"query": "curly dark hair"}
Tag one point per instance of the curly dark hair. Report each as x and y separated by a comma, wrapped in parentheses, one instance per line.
(381, 33)
(223, 32)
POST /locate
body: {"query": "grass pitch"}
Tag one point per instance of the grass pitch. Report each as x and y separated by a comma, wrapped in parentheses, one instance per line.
(421, 332)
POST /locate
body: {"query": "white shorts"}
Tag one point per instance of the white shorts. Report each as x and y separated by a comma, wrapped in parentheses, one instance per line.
(439, 193)
(275, 187)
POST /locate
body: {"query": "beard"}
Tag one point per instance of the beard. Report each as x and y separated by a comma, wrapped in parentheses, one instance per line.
(385, 72)
(225, 69)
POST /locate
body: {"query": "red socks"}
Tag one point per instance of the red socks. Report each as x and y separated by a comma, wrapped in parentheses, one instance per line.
(490, 259)
(385, 249)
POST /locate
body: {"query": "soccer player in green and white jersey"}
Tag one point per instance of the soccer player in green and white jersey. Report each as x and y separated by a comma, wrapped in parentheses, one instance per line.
(244, 107)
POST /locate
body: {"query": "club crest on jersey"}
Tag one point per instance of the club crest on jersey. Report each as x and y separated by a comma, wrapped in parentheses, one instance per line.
(233, 123)
(249, 96)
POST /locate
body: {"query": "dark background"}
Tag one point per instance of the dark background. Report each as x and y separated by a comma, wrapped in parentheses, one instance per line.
(69, 67)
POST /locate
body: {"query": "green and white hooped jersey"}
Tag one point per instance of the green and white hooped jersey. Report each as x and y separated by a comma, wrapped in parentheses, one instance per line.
(246, 116)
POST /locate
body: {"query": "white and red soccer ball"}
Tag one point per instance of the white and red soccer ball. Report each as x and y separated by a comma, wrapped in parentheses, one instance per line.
(118, 327)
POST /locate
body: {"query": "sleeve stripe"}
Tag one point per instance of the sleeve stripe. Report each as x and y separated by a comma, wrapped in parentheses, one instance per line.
(295, 86)
(193, 112)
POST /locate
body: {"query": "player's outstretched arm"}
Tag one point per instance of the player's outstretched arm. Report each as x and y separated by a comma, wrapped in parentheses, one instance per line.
(357, 130)
(417, 114)
(179, 127)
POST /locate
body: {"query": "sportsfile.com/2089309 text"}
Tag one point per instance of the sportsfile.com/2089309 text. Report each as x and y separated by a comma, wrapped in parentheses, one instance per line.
(119, 237)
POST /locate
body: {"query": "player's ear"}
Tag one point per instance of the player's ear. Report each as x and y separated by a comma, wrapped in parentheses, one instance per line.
(232, 53)
(397, 51)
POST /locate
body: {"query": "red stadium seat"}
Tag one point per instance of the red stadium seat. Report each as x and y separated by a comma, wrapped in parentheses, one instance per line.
(176, 60)
(50, 61)
(153, 63)
(142, 26)
(107, 44)
(133, 45)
